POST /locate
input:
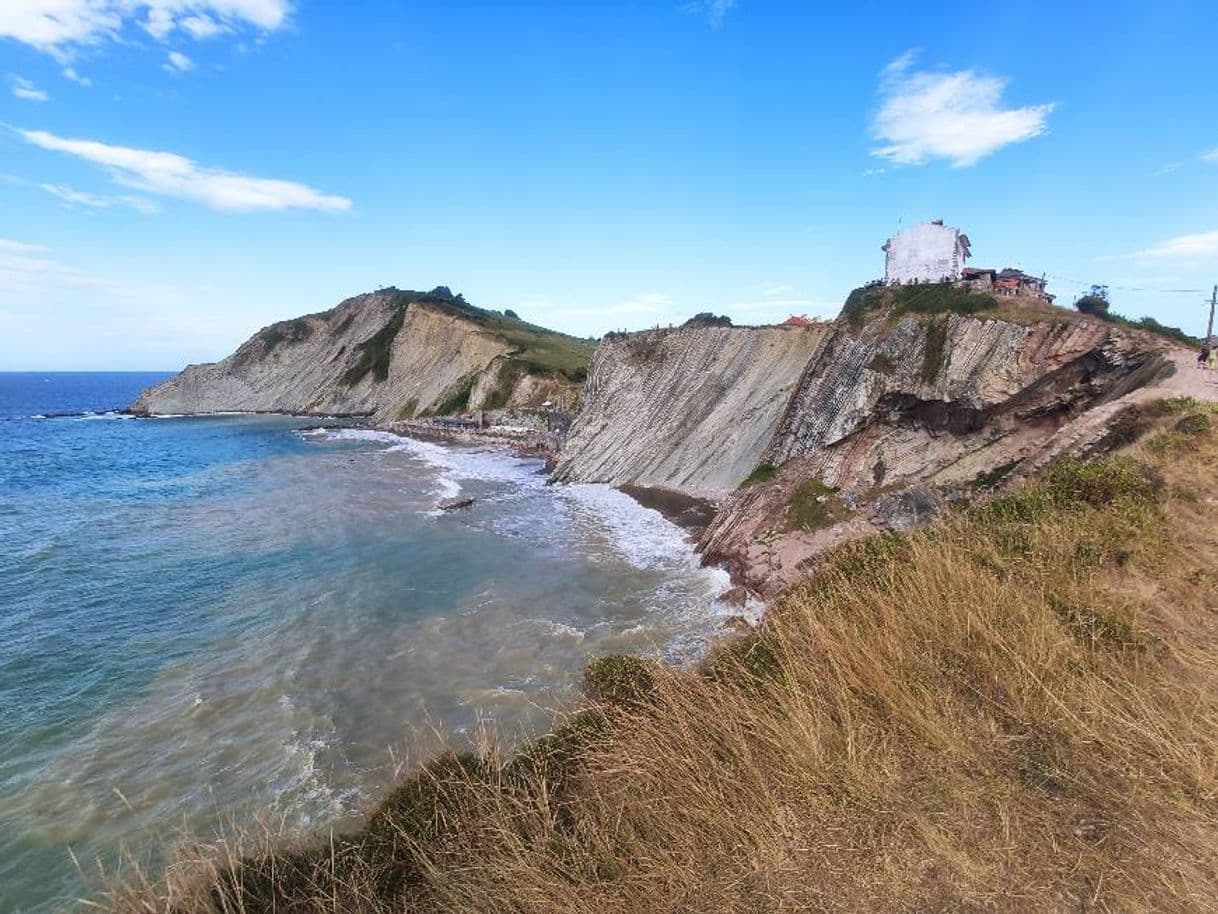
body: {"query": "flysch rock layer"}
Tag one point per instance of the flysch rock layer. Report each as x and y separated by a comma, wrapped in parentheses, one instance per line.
(892, 417)
(688, 409)
(305, 365)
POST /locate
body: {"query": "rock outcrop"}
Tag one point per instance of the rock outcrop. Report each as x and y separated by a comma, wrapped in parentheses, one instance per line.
(689, 409)
(387, 355)
(810, 436)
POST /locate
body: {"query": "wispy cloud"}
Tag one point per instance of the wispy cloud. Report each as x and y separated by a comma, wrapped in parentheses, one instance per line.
(957, 116)
(26, 90)
(99, 201)
(26, 268)
(177, 62)
(1191, 246)
(70, 73)
(714, 10)
(1167, 169)
(59, 27)
(172, 175)
(1209, 158)
(778, 289)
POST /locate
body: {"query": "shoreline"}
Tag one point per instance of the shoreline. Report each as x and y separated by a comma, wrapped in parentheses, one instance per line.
(692, 514)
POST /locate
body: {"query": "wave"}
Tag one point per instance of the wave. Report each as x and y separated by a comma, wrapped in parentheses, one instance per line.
(453, 465)
(85, 415)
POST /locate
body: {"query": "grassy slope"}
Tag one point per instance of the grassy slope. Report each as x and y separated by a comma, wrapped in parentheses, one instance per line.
(1013, 710)
(941, 298)
(536, 349)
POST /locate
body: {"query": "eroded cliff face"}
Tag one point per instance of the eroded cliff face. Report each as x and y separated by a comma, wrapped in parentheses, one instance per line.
(386, 355)
(810, 436)
(689, 409)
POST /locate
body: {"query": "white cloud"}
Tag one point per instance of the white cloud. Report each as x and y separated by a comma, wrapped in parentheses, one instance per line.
(1197, 244)
(201, 27)
(70, 73)
(10, 247)
(927, 115)
(24, 89)
(178, 62)
(1210, 158)
(1167, 169)
(177, 176)
(57, 27)
(26, 268)
(99, 201)
(714, 10)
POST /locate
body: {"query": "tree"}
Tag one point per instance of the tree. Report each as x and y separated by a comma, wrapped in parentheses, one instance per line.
(1094, 302)
(509, 313)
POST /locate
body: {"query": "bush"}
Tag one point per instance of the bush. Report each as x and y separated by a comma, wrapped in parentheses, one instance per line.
(1092, 304)
(621, 680)
(707, 319)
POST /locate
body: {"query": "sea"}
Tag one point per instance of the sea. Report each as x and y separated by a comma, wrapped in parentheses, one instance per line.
(212, 623)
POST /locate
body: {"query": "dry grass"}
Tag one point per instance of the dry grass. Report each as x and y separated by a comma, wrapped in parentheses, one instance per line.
(1012, 711)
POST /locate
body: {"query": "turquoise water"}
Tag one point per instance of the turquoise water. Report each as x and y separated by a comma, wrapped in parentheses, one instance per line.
(202, 619)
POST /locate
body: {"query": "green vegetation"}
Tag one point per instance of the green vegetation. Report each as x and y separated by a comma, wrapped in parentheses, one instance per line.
(534, 349)
(509, 373)
(927, 298)
(409, 409)
(882, 363)
(763, 472)
(296, 330)
(814, 505)
(375, 353)
(991, 478)
(1150, 325)
(456, 398)
(933, 350)
(620, 680)
(1010, 710)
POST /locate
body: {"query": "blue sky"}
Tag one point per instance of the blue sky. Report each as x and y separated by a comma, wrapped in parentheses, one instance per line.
(175, 174)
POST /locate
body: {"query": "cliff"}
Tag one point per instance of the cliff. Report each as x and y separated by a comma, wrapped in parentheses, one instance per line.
(388, 354)
(688, 409)
(807, 437)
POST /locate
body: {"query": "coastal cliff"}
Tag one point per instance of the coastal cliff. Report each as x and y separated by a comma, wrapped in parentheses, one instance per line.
(809, 436)
(688, 409)
(388, 355)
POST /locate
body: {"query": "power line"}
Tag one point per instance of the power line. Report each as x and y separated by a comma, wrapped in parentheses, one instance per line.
(1087, 285)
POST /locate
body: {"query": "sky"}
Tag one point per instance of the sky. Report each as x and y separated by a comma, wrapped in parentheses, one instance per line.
(175, 174)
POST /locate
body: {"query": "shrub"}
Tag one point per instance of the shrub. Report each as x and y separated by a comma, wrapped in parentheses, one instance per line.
(707, 319)
(1092, 304)
(619, 679)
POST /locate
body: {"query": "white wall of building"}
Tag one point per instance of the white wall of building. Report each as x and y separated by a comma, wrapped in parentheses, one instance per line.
(927, 252)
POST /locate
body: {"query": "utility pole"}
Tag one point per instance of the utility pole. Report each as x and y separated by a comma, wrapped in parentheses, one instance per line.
(1209, 329)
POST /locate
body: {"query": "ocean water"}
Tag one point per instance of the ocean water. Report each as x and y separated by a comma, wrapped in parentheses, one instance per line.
(203, 620)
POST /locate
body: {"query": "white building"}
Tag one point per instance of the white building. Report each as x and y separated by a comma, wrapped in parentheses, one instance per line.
(926, 252)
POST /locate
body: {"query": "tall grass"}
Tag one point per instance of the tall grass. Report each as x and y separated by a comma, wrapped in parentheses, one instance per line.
(1011, 711)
